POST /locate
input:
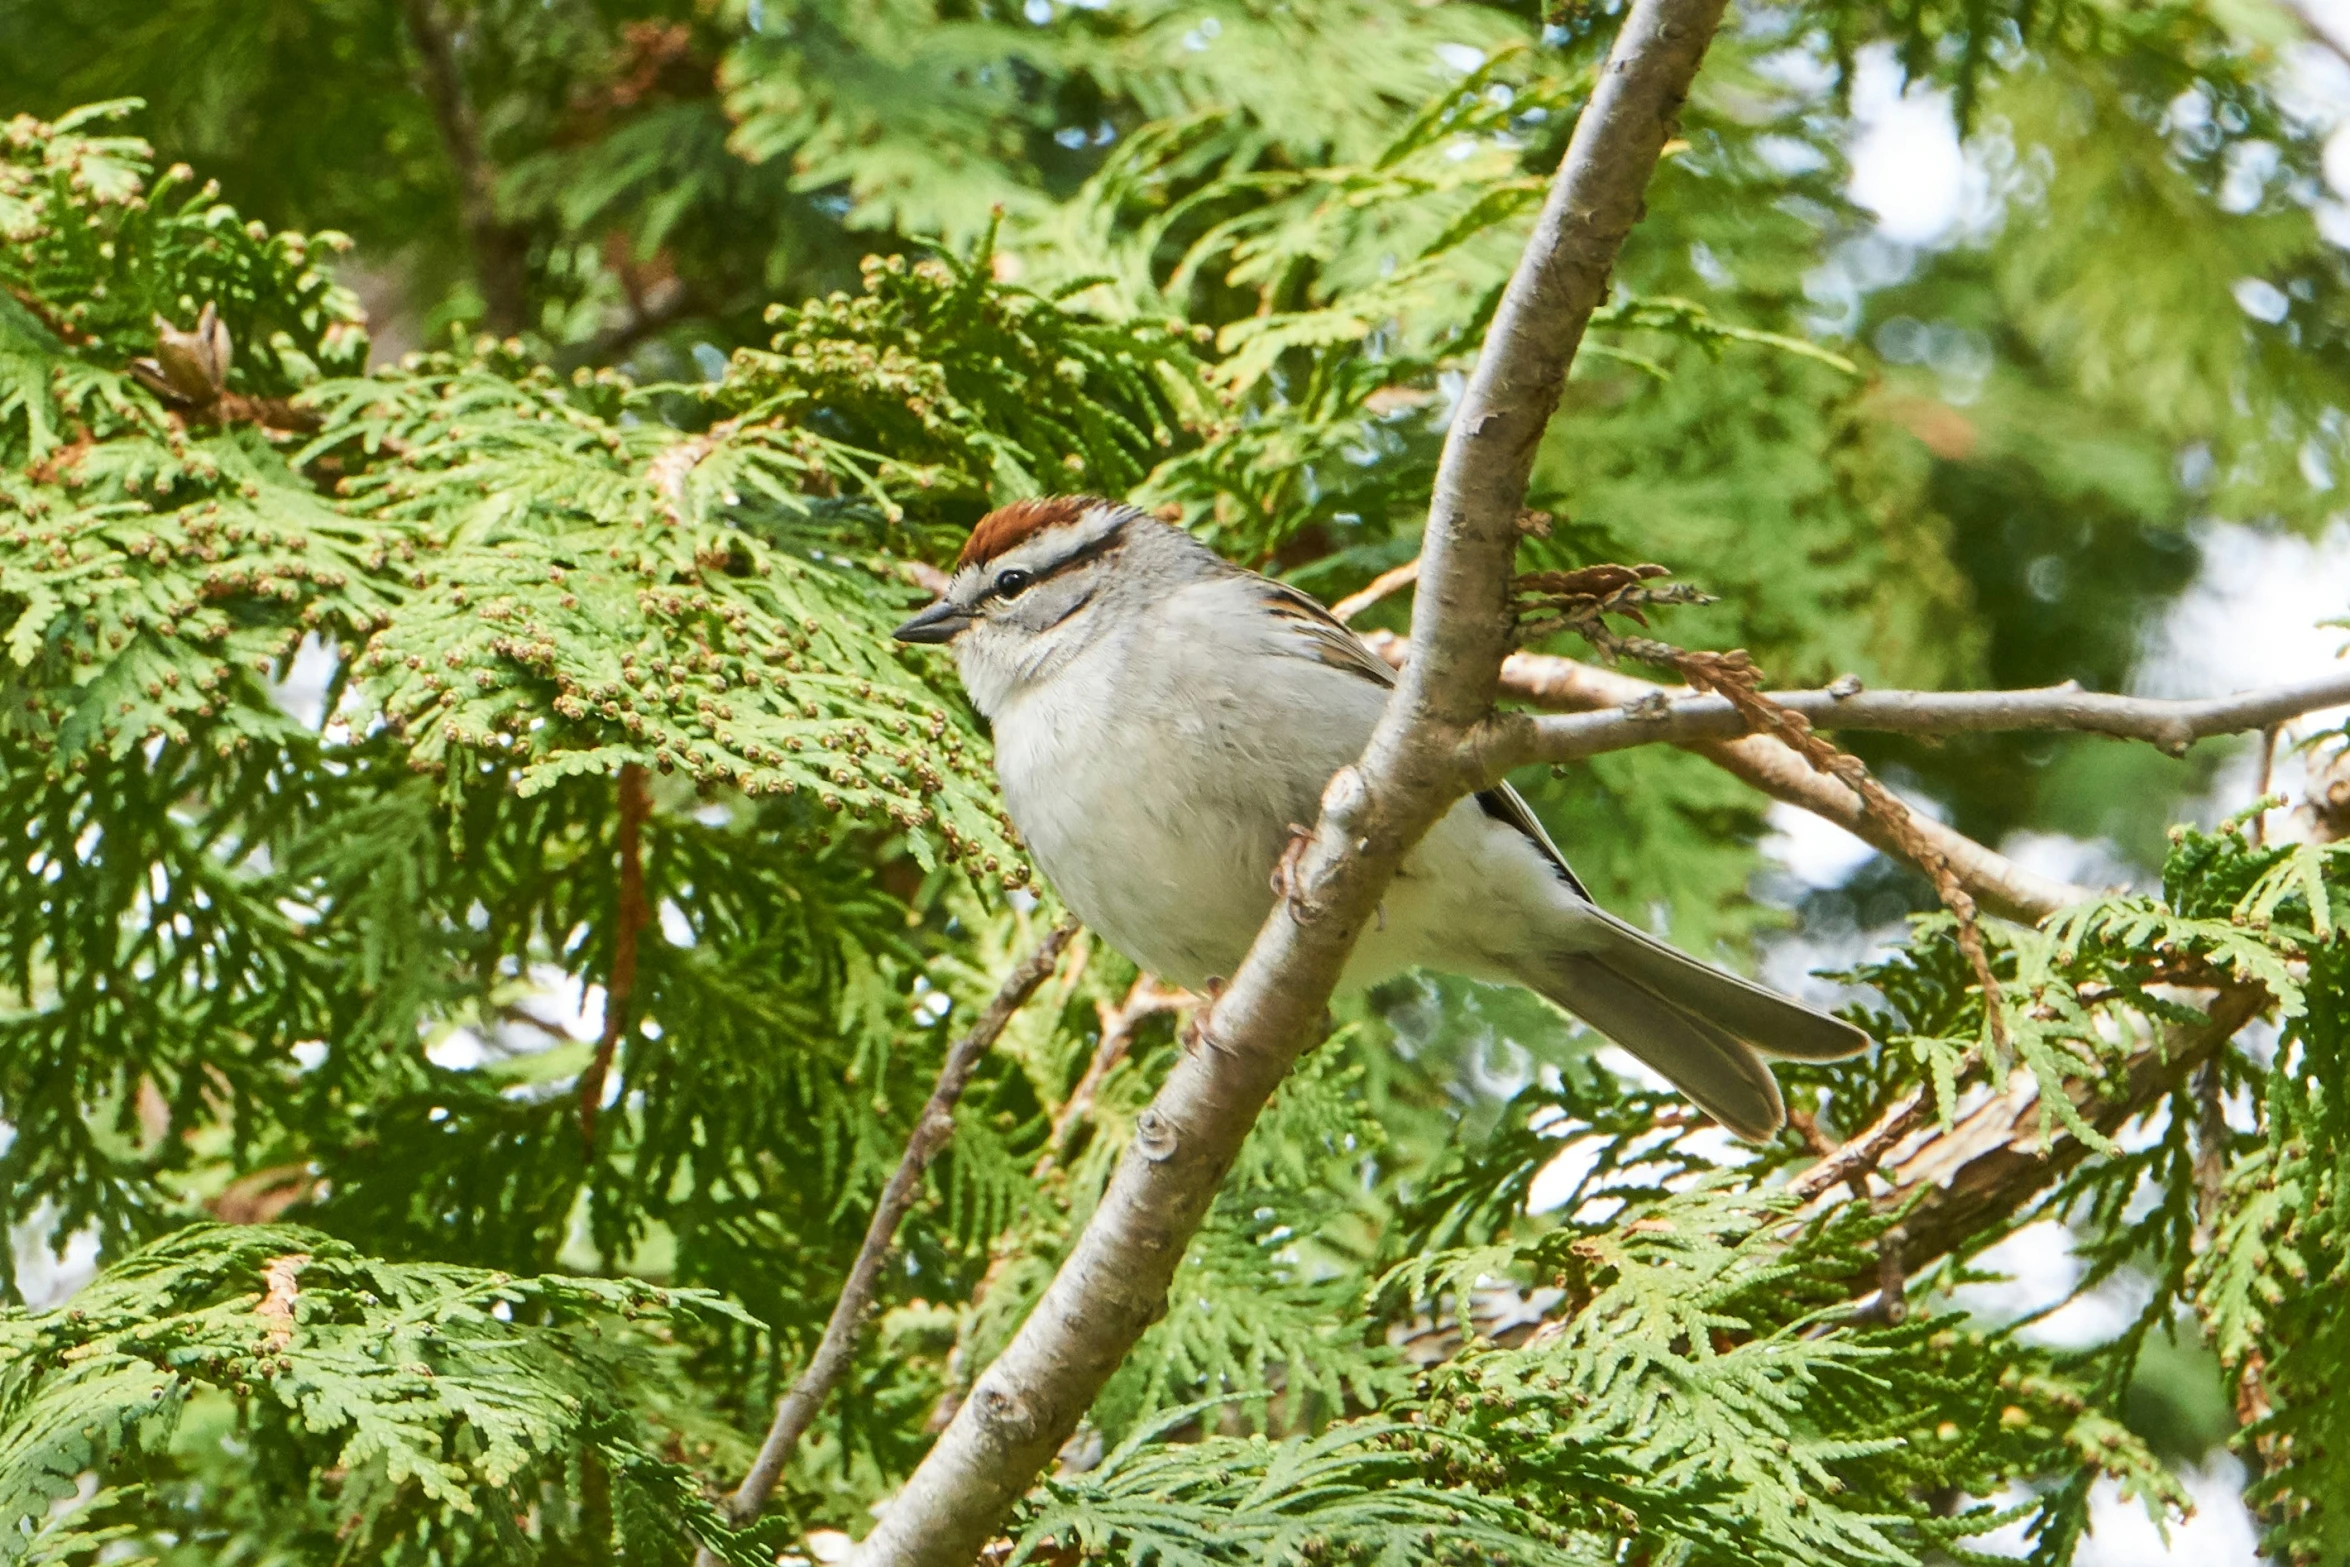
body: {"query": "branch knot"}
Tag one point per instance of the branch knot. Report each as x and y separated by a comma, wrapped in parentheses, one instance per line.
(1154, 1137)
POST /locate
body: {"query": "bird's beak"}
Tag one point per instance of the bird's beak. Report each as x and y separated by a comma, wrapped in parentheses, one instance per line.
(941, 622)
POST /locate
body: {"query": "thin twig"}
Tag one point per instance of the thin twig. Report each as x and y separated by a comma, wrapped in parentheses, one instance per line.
(628, 918)
(523, 1017)
(1145, 998)
(936, 1124)
(1420, 760)
(1389, 581)
(1807, 1126)
(1582, 600)
(1733, 677)
(2260, 784)
(1677, 720)
(1853, 1161)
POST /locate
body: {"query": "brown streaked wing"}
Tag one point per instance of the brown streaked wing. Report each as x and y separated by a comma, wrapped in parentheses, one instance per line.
(1322, 638)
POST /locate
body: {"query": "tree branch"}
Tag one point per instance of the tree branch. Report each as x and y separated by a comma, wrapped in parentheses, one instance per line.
(1775, 768)
(1584, 598)
(798, 1406)
(501, 250)
(628, 920)
(1392, 580)
(2174, 726)
(1145, 998)
(1992, 1161)
(1419, 761)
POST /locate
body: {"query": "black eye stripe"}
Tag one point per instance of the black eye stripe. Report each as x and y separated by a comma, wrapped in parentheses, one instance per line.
(1050, 569)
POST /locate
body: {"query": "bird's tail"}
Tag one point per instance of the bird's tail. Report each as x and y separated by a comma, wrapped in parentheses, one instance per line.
(1705, 1030)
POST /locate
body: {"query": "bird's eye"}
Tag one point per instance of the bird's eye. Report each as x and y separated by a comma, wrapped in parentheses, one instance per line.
(1011, 584)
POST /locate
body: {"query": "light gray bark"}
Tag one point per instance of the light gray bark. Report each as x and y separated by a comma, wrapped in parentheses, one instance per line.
(2172, 725)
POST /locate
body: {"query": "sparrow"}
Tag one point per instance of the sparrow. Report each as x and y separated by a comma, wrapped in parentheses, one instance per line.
(1163, 719)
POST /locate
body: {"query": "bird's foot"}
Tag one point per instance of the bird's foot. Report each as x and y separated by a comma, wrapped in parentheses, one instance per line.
(1289, 879)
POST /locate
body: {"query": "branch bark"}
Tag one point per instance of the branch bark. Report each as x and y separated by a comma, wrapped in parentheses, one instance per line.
(501, 250)
(1146, 997)
(1425, 754)
(1992, 1161)
(628, 921)
(798, 1406)
(2172, 725)
(1773, 767)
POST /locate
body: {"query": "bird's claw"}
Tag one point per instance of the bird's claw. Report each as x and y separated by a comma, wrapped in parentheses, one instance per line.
(1288, 877)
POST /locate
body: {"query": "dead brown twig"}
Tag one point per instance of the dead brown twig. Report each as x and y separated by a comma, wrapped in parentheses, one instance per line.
(1582, 600)
(1559, 684)
(628, 918)
(277, 1302)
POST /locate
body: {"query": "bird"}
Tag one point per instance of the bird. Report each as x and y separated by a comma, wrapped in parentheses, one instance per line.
(1163, 719)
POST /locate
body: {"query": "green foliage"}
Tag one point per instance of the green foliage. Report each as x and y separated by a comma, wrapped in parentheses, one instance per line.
(1369, 1491)
(97, 246)
(2278, 1246)
(407, 1411)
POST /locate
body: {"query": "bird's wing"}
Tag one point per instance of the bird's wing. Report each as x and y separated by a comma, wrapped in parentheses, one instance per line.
(1317, 634)
(1504, 804)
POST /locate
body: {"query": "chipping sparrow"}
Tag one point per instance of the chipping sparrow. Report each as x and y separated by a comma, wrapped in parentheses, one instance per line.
(1161, 719)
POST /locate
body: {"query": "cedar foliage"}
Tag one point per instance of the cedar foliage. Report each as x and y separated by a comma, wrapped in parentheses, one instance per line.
(319, 679)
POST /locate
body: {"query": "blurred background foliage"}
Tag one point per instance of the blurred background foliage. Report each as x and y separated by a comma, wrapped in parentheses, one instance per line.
(672, 331)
